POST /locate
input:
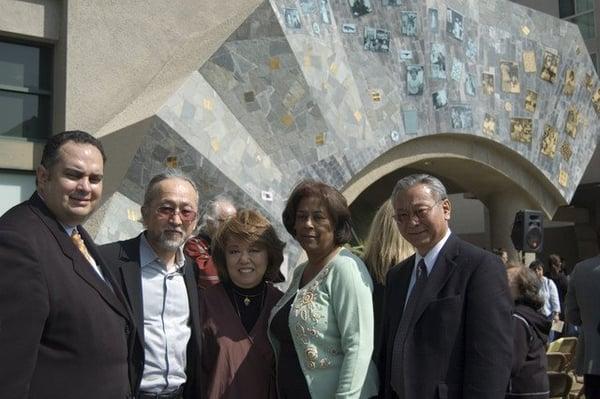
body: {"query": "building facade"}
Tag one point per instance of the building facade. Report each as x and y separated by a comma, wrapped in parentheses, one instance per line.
(248, 97)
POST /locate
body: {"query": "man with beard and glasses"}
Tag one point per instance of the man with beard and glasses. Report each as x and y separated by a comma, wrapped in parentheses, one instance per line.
(160, 285)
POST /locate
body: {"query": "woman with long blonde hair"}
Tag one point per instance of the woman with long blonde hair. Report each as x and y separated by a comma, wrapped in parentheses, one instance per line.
(384, 248)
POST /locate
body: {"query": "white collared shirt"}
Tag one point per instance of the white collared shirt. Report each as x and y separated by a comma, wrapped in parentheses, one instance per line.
(167, 328)
(430, 258)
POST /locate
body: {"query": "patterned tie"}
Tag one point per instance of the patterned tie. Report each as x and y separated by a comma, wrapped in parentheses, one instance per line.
(397, 376)
(78, 241)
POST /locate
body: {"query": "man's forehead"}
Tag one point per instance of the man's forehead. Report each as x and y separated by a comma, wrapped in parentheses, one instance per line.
(414, 195)
(78, 155)
(176, 190)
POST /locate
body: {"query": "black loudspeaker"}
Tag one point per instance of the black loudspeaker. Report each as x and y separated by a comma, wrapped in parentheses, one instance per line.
(528, 231)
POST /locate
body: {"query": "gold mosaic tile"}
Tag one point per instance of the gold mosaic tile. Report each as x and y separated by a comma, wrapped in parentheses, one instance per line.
(274, 63)
(489, 125)
(572, 122)
(171, 162)
(531, 101)
(215, 144)
(207, 104)
(563, 178)
(549, 141)
(569, 87)
(596, 101)
(508, 106)
(525, 30)
(375, 96)
(287, 120)
(133, 215)
(566, 151)
(529, 65)
(521, 129)
(588, 82)
(320, 138)
(358, 116)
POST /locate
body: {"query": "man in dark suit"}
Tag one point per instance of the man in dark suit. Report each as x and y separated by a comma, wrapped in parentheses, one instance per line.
(161, 287)
(447, 315)
(65, 327)
(582, 310)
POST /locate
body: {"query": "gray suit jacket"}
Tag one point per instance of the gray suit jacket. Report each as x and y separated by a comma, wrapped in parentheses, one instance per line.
(582, 308)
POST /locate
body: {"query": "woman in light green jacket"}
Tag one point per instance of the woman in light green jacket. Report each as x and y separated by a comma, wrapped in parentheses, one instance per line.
(322, 328)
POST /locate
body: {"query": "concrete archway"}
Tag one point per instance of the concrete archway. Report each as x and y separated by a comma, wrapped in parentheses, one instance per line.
(499, 177)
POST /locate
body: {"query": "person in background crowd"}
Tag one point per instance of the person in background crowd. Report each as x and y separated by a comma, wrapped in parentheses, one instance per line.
(237, 360)
(161, 287)
(384, 248)
(65, 327)
(581, 303)
(560, 279)
(322, 328)
(447, 310)
(528, 377)
(548, 291)
(502, 253)
(198, 248)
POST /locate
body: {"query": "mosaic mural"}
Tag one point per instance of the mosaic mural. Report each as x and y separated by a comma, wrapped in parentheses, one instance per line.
(321, 88)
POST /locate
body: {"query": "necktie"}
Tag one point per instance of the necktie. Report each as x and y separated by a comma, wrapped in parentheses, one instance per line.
(397, 377)
(78, 241)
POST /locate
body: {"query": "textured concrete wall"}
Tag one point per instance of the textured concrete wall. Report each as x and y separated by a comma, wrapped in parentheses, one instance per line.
(125, 58)
(39, 19)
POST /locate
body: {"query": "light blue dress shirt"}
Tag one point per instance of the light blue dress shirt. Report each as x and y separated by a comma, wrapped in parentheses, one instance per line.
(167, 328)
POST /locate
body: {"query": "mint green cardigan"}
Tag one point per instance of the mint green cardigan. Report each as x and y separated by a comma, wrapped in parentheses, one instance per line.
(331, 321)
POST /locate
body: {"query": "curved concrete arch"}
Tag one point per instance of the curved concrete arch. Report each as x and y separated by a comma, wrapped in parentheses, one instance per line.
(477, 165)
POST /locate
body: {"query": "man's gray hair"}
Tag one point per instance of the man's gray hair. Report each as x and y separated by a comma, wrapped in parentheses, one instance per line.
(210, 210)
(433, 183)
(150, 193)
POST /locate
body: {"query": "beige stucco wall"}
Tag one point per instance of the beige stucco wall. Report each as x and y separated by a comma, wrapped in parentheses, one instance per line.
(33, 18)
(124, 60)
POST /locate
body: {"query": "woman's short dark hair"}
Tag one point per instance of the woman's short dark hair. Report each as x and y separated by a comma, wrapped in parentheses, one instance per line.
(333, 200)
(249, 226)
(525, 285)
(536, 265)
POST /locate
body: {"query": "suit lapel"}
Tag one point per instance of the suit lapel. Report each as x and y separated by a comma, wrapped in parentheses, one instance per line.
(402, 279)
(80, 265)
(131, 273)
(441, 272)
(113, 296)
(191, 286)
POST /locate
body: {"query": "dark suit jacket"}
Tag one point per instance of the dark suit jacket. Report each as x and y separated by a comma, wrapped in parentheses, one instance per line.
(124, 260)
(63, 332)
(459, 342)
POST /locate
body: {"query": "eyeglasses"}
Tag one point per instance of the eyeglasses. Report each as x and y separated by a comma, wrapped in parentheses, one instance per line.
(404, 216)
(186, 215)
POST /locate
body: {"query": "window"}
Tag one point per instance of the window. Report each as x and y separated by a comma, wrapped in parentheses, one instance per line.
(586, 25)
(25, 90)
(15, 187)
(581, 13)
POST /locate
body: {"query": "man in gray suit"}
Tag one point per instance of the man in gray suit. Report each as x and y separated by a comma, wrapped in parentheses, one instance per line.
(582, 309)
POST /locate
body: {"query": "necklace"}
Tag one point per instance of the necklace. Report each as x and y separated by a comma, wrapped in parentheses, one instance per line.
(247, 297)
